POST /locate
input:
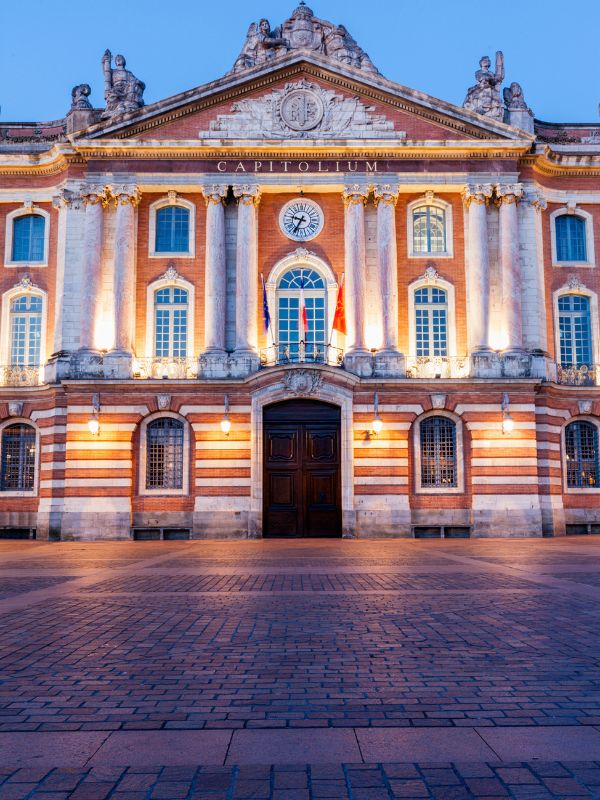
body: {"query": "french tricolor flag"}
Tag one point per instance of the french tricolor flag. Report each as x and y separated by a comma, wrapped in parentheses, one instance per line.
(303, 315)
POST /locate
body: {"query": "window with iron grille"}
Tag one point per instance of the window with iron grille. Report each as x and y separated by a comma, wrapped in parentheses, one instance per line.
(570, 238)
(581, 445)
(164, 454)
(429, 229)
(172, 230)
(574, 327)
(18, 458)
(25, 330)
(170, 322)
(28, 238)
(295, 283)
(438, 453)
(431, 321)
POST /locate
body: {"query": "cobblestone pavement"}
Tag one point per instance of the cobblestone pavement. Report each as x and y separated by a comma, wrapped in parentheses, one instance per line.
(418, 669)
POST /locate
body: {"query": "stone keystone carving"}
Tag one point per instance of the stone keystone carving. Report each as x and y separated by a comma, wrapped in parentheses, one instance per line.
(585, 406)
(302, 31)
(26, 283)
(484, 98)
(79, 96)
(574, 284)
(170, 273)
(163, 401)
(302, 382)
(15, 408)
(438, 400)
(431, 274)
(123, 92)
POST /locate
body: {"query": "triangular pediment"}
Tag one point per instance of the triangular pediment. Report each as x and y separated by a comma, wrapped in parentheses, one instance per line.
(304, 97)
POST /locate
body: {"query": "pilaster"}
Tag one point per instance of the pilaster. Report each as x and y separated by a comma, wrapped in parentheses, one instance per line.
(245, 358)
(213, 363)
(357, 359)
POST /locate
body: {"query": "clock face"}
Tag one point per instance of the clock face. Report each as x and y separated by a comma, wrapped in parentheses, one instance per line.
(301, 220)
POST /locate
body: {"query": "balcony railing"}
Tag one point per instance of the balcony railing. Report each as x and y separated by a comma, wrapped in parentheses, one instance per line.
(13, 375)
(301, 354)
(437, 367)
(165, 367)
(584, 375)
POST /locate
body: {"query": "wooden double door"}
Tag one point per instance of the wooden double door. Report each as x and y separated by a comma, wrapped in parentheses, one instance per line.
(302, 478)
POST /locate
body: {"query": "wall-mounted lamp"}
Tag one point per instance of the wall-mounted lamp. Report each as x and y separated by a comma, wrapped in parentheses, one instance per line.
(94, 420)
(226, 422)
(377, 424)
(508, 423)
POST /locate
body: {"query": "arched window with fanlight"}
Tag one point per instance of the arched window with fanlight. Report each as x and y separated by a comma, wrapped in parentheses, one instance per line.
(431, 321)
(574, 328)
(172, 231)
(429, 230)
(25, 330)
(165, 454)
(301, 316)
(581, 451)
(18, 458)
(28, 238)
(171, 322)
(438, 468)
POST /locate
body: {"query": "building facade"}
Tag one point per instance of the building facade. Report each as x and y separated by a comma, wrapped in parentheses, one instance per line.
(299, 300)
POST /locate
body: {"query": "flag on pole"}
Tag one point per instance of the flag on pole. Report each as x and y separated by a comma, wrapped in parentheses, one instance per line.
(339, 318)
(303, 314)
(266, 315)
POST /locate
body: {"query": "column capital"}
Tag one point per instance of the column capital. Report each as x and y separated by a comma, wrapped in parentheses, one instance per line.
(355, 194)
(67, 198)
(94, 194)
(214, 193)
(478, 193)
(507, 193)
(535, 200)
(386, 194)
(247, 194)
(125, 194)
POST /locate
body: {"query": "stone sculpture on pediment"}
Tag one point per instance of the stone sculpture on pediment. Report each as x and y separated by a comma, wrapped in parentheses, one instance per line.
(123, 92)
(79, 96)
(302, 31)
(300, 110)
(485, 98)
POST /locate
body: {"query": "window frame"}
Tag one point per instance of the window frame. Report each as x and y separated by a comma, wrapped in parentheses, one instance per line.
(6, 321)
(36, 474)
(444, 206)
(563, 437)
(164, 202)
(594, 322)
(309, 293)
(460, 455)
(589, 237)
(433, 283)
(170, 283)
(9, 236)
(143, 457)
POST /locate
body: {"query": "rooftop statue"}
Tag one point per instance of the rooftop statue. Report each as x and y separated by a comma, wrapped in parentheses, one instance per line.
(485, 98)
(123, 92)
(79, 96)
(302, 31)
(514, 98)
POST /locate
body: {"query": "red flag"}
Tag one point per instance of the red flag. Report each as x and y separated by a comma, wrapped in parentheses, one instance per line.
(339, 319)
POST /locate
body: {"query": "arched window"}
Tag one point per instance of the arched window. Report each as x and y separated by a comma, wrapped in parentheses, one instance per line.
(574, 329)
(431, 321)
(164, 454)
(581, 450)
(170, 322)
(28, 238)
(428, 230)
(25, 330)
(172, 230)
(17, 472)
(301, 315)
(570, 238)
(437, 440)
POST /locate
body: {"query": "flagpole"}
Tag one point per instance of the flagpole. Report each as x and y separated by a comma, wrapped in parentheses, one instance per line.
(341, 286)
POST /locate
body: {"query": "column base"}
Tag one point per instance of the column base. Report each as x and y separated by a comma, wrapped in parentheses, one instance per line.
(389, 364)
(118, 364)
(214, 364)
(87, 363)
(243, 363)
(359, 362)
(58, 367)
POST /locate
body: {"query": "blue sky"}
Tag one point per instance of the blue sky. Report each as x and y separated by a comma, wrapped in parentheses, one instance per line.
(550, 46)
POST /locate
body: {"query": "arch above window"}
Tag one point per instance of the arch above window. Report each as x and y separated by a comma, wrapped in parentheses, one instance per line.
(581, 465)
(27, 237)
(432, 323)
(170, 295)
(19, 458)
(572, 238)
(172, 228)
(429, 228)
(164, 455)
(438, 453)
(576, 327)
(23, 327)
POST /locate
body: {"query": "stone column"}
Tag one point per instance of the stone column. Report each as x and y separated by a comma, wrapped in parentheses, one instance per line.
(118, 360)
(477, 198)
(96, 199)
(245, 358)
(388, 361)
(212, 361)
(357, 358)
(507, 196)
